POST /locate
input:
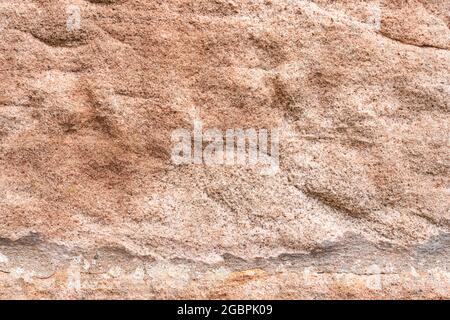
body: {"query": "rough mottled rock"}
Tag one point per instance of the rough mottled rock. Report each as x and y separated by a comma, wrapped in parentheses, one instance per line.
(91, 205)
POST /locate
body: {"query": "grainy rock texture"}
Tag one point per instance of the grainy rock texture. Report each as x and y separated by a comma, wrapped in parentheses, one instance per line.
(91, 205)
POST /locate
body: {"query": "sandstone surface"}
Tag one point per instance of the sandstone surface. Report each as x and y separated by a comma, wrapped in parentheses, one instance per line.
(91, 205)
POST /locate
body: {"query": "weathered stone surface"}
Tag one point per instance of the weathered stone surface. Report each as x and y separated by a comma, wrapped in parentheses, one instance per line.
(91, 205)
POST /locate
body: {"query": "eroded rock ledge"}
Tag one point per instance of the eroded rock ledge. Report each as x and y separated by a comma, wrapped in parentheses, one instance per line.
(91, 205)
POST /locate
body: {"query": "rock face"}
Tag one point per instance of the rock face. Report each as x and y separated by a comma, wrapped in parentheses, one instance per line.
(93, 206)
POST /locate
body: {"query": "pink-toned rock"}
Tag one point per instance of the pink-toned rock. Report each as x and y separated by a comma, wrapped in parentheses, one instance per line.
(92, 205)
